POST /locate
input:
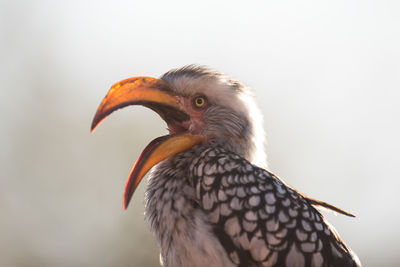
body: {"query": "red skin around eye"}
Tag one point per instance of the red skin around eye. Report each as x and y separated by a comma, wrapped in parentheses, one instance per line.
(196, 122)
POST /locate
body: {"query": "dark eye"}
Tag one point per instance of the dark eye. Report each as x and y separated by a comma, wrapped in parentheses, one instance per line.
(199, 101)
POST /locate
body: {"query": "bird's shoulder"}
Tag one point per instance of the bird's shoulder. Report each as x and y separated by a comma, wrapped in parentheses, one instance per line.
(258, 218)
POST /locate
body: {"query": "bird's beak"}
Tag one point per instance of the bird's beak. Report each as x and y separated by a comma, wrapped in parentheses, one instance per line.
(155, 94)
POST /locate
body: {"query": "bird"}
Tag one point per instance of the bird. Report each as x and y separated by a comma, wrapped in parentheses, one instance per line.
(210, 200)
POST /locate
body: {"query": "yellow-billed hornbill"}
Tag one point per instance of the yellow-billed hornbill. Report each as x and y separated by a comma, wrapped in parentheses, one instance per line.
(209, 201)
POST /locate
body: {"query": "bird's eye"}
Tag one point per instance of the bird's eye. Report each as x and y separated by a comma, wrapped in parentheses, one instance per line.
(200, 101)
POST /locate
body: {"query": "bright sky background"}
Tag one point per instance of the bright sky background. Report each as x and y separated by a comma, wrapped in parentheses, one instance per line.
(326, 75)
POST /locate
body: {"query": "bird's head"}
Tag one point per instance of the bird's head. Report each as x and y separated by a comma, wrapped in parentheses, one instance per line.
(199, 105)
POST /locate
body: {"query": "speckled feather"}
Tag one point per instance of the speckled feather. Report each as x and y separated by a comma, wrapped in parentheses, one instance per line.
(259, 220)
(228, 212)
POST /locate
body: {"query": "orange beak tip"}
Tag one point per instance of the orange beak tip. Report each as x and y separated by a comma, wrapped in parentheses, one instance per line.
(93, 127)
(98, 118)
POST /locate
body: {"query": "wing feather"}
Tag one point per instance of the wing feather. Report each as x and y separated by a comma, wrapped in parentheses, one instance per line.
(260, 220)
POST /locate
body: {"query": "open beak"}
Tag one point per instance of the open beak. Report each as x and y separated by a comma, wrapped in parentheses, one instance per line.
(155, 94)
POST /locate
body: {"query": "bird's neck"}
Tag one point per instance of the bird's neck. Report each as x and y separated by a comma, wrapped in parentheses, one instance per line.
(169, 196)
(180, 227)
(251, 149)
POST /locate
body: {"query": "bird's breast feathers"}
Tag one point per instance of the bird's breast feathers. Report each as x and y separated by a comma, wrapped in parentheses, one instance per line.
(226, 202)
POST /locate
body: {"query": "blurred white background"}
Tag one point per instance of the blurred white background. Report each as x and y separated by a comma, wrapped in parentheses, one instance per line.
(326, 75)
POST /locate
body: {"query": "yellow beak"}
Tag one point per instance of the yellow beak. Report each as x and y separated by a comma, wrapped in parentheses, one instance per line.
(155, 94)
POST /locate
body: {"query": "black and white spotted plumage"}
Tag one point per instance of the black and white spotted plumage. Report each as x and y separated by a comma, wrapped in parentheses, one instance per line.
(259, 220)
(245, 213)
